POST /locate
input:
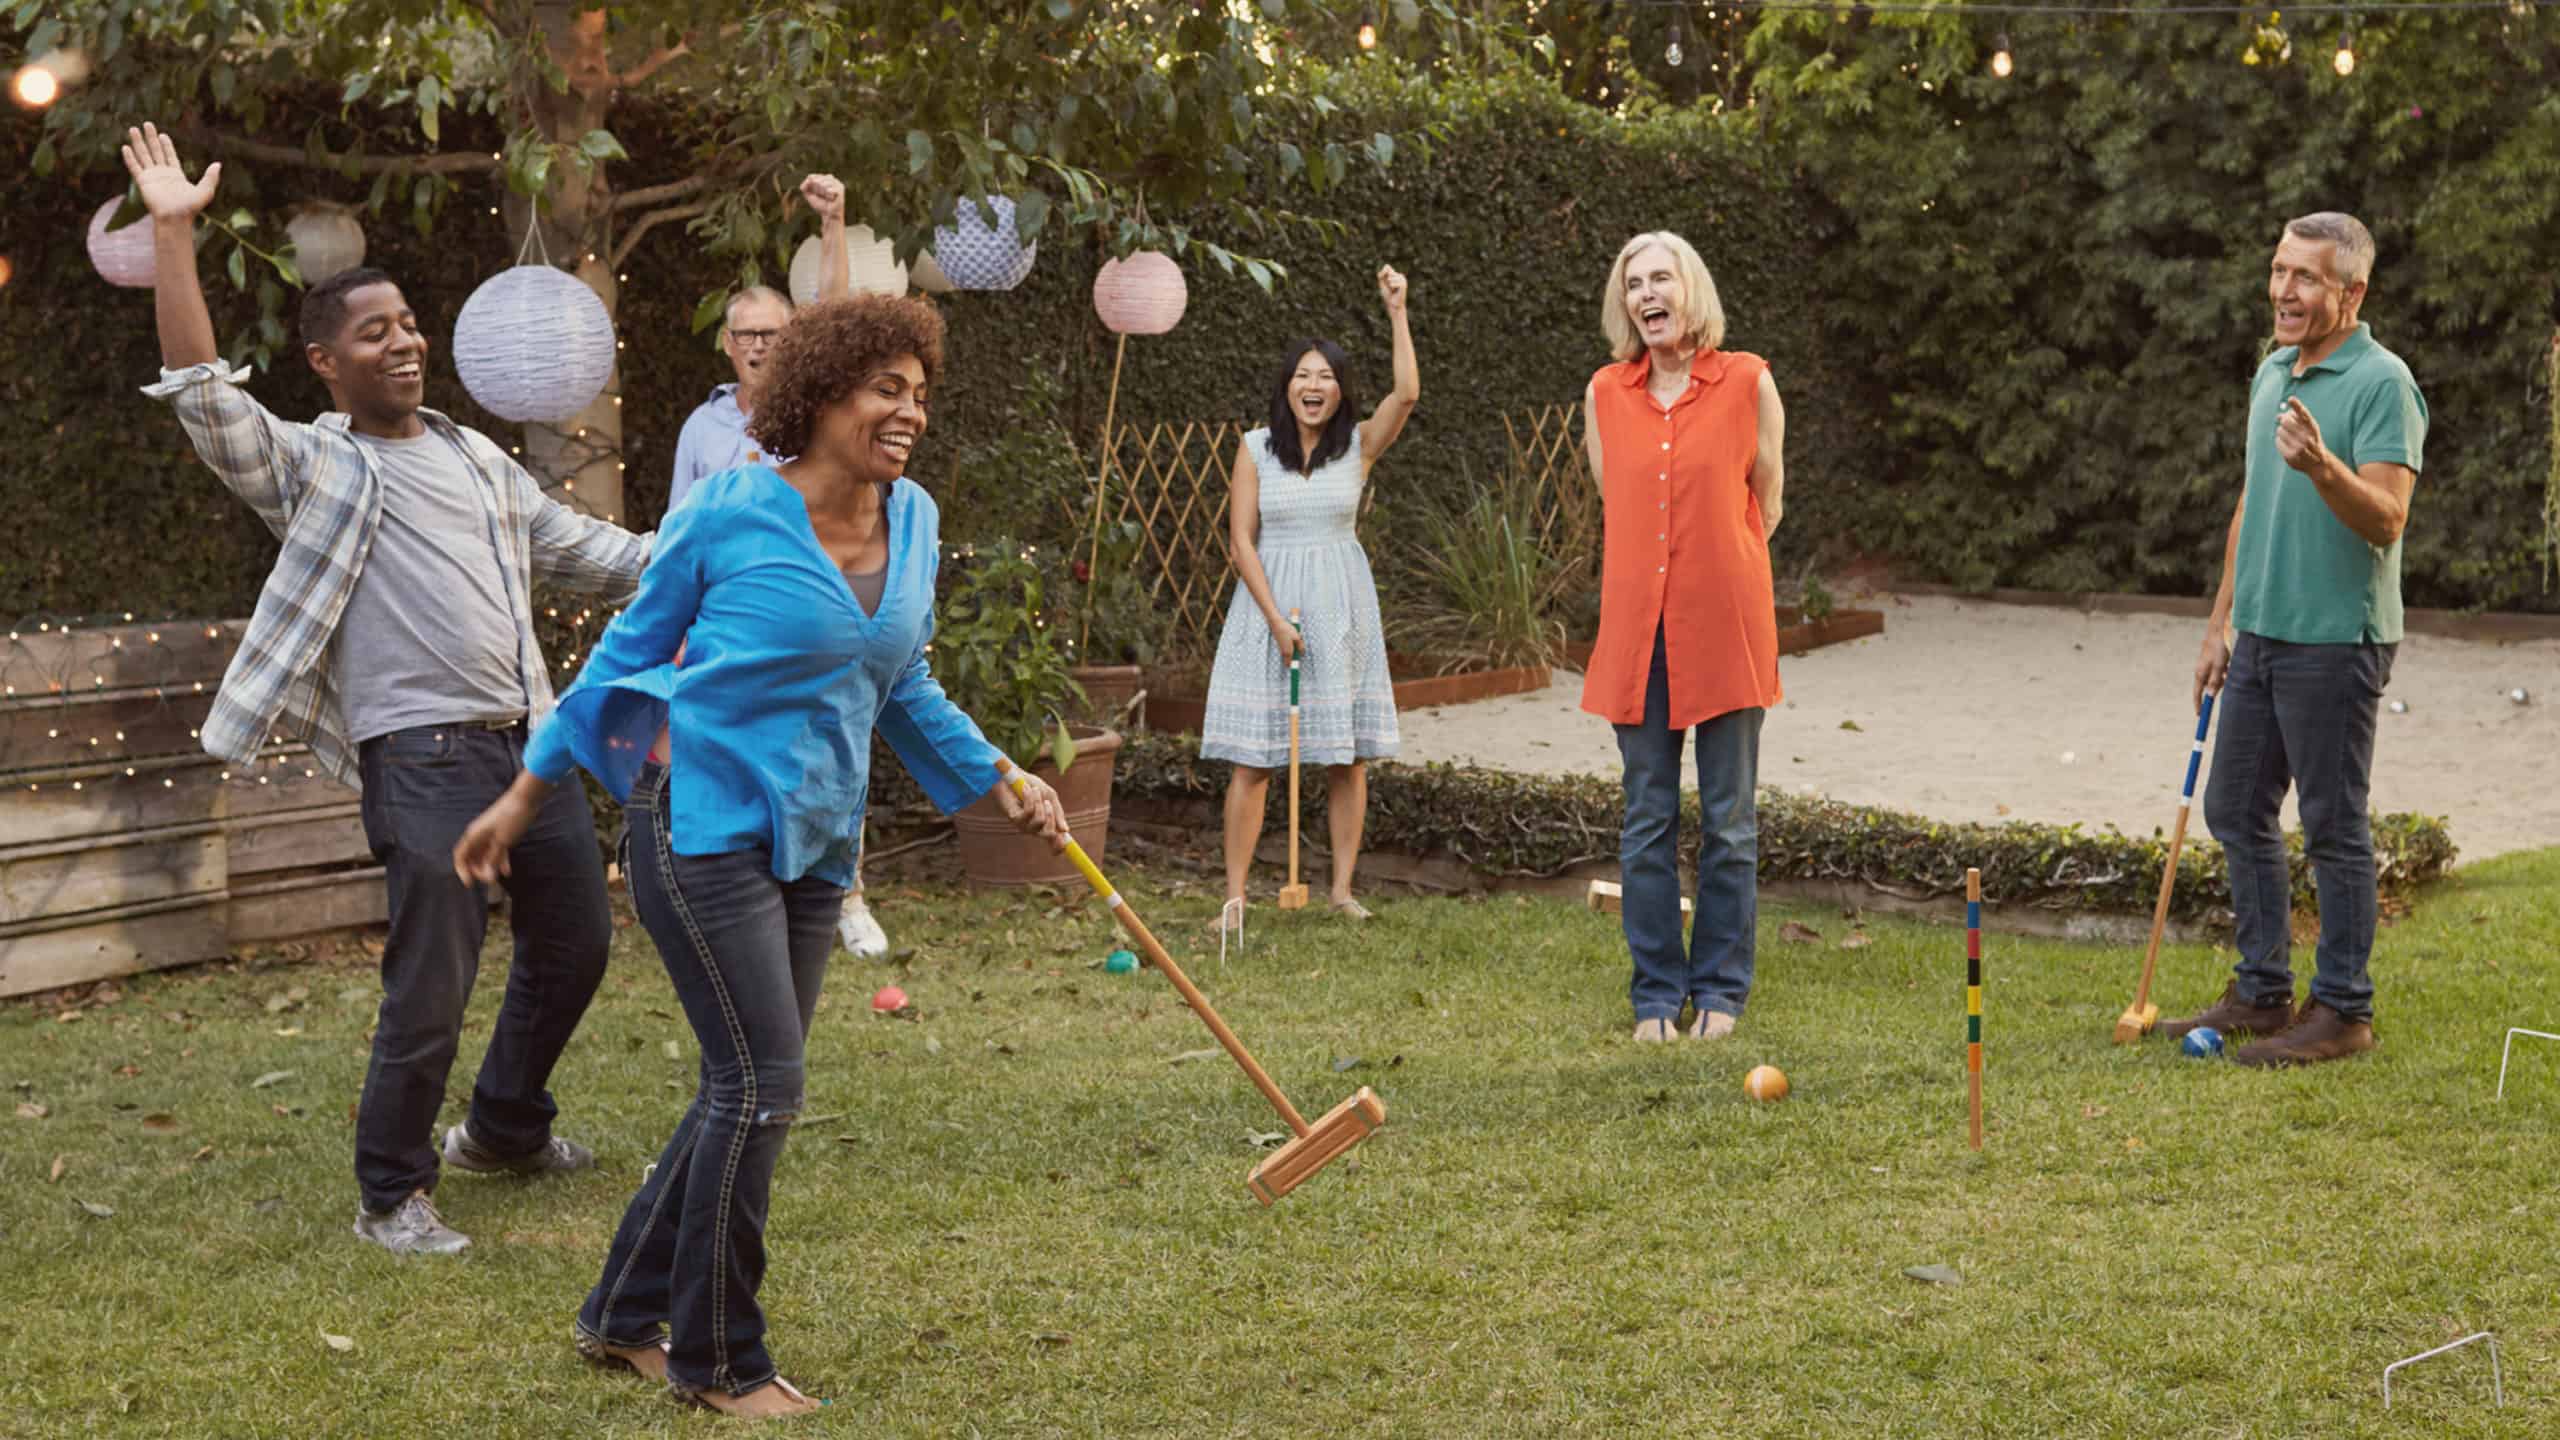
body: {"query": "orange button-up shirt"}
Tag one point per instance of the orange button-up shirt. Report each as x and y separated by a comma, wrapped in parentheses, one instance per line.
(1682, 547)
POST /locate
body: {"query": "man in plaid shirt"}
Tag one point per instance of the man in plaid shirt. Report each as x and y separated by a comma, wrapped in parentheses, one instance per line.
(394, 637)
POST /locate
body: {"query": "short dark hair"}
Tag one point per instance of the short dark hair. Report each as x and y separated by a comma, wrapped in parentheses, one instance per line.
(324, 306)
(1284, 420)
(827, 350)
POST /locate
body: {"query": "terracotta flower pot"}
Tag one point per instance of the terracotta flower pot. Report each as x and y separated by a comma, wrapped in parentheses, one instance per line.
(1108, 690)
(993, 852)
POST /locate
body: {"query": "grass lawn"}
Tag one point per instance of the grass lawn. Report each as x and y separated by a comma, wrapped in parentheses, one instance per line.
(1019, 1216)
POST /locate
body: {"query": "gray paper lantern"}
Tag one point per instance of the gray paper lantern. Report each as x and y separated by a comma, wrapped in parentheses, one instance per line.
(123, 257)
(326, 240)
(978, 256)
(532, 343)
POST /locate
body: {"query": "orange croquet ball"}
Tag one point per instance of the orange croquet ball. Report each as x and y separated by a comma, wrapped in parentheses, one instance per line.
(1765, 1082)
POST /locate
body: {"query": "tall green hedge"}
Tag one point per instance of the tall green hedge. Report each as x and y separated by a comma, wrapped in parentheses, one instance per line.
(1506, 229)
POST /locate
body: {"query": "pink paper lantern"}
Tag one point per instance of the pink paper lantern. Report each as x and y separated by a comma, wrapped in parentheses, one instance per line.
(123, 257)
(1142, 295)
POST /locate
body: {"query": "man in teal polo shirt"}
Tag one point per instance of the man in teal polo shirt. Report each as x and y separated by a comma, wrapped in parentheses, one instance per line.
(2311, 583)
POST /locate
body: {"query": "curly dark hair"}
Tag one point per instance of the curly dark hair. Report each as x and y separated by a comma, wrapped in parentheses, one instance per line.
(828, 349)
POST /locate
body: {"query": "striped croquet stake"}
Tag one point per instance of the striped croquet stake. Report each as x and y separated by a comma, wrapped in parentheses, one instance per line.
(2140, 1016)
(1973, 998)
(1293, 896)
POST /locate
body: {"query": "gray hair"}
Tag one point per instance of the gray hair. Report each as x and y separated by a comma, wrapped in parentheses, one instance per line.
(729, 311)
(2354, 255)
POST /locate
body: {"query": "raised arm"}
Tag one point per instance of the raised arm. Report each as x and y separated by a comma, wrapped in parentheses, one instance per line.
(825, 194)
(1769, 465)
(1244, 531)
(186, 326)
(571, 548)
(1387, 421)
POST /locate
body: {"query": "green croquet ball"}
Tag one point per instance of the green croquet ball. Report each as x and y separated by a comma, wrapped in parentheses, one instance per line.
(1121, 962)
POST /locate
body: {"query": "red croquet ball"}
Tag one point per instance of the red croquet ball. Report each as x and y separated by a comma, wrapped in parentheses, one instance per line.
(889, 999)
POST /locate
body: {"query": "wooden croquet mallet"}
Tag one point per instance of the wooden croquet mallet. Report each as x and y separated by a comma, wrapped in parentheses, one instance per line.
(1316, 1145)
(1973, 1001)
(2140, 1016)
(1293, 896)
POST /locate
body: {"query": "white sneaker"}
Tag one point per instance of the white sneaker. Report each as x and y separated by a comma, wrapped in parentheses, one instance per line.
(860, 933)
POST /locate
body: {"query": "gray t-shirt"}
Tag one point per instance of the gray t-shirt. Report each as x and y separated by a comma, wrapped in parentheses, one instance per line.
(429, 633)
(868, 587)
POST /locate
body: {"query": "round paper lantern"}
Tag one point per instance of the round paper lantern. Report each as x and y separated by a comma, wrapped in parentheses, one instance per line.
(326, 240)
(123, 256)
(532, 343)
(870, 261)
(978, 256)
(1142, 295)
(928, 276)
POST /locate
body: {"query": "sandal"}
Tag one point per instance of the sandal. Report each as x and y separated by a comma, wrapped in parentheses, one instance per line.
(700, 1400)
(1350, 909)
(605, 1355)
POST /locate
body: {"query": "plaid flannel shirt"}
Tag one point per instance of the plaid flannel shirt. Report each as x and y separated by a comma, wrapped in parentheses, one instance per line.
(315, 487)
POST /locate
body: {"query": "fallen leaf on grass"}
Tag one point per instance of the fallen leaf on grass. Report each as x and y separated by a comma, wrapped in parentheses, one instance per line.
(204, 1154)
(932, 1046)
(103, 1212)
(2092, 1112)
(1054, 1337)
(340, 1343)
(268, 1206)
(60, 1163)
(1345, 1063)
(1265, 1139)
(288, 1032)
(68, 1017)
(1855, 940)
(932, 1335)
(30, 1110)
(270, 1078)
(1187, 1056)
(672, 1050)
(2133, 1142)
(1935, 1274)
(1798, 932)
(160, 1122)
(1655, 1101)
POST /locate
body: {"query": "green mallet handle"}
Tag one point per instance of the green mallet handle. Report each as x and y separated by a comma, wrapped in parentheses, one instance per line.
(1294, 657)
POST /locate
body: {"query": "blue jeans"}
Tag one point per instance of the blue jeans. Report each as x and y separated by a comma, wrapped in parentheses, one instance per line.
(746, 953)
(2299, 715)
(422, 788)
(1715, 974)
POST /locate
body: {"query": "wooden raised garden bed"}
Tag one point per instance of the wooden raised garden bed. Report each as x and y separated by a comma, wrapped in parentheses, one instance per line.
(1177, 704)
(1796, 635)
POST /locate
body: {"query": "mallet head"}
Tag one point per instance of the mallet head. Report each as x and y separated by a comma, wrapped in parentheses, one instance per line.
(2136, 1022)
(1293, 897)
(1342, 1127)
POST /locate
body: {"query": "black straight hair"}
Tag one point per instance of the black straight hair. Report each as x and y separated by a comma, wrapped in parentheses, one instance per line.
(324, 306)
(1336, 439)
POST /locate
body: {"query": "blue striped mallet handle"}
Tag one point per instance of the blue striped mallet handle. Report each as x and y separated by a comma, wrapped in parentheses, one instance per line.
(2140, 1016)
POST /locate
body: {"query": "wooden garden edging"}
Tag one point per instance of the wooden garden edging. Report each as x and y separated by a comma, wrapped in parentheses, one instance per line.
(123, 846)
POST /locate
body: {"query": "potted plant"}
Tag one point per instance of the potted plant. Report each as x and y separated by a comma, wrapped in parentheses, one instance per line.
(1001, 657)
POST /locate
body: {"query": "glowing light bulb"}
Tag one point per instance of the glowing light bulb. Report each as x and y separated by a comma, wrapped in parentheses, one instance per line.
(2002, 61)
(35, 87)
(2344, 62)
(1368, 31)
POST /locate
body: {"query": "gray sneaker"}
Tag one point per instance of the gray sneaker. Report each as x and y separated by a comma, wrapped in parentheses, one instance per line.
(414, 1228)
(464, 1153)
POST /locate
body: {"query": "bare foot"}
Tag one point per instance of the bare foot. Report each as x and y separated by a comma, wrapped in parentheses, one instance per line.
(649, 1360)
(777, 1401)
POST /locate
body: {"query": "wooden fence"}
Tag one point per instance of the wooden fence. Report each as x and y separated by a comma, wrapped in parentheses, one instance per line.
(123, 846)
(1173, 478)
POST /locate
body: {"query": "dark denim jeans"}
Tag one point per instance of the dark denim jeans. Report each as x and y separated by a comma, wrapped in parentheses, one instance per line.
(422, 787)
(1715, 973)
(2299, 715)
(746, 953)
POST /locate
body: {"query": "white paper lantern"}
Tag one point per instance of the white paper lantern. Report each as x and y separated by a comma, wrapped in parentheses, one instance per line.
(532, 343)
(327, 240)
(871, 262)
(123, 257)
(978, 256)
(1142, 295)
(927, 275)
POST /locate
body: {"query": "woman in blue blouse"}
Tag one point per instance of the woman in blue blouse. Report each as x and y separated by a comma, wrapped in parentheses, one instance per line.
(803, 598)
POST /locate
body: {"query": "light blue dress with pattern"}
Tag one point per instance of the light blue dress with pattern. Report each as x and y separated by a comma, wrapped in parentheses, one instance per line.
(1346, 702)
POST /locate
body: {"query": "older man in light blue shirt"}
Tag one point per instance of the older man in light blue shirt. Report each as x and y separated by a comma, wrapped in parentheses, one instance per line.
(715, 437)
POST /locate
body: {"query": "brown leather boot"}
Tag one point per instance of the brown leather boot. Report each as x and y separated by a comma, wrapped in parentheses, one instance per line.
(2319, 1034)
(2234, 1016)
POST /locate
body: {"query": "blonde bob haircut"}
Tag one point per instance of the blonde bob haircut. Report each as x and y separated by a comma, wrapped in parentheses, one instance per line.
(1702, 325)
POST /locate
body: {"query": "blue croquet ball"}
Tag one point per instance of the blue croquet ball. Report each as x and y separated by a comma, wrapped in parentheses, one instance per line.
(1121, 962)
(2202, 1043)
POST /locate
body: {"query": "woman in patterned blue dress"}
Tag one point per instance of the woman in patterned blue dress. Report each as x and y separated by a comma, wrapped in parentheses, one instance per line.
(1290, 517)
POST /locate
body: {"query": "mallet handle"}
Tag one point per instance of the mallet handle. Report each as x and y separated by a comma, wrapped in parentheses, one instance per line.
(2177, 842)
(1293, 745)
(1973, 1001)
(1137, 930)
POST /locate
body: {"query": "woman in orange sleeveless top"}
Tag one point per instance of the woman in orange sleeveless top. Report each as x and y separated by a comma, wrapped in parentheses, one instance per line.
(1686, 438)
